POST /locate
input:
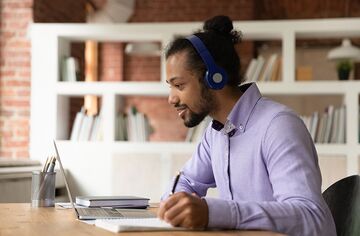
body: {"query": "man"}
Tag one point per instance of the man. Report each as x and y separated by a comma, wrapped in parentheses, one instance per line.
(258, 153)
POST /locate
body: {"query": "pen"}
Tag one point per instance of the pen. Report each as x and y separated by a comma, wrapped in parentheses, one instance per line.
(52, 164)
(175, 183)
(46, 164)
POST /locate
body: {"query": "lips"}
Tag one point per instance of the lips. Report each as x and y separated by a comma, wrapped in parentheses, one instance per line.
(181, 111)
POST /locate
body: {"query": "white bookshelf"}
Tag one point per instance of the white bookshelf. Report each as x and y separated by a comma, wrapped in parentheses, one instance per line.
(115, 161)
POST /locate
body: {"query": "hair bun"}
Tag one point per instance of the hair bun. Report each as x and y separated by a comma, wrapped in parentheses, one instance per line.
(223, 25)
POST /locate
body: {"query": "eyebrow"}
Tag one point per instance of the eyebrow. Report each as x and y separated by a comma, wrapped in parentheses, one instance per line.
(172, 80)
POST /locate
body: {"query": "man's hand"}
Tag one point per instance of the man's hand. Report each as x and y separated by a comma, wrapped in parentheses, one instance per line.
(184, 210)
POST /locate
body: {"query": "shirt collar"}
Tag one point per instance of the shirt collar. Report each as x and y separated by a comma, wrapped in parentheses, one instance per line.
(240, 114)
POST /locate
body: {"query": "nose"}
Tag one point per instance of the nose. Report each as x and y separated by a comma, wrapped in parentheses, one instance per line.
(173, 98)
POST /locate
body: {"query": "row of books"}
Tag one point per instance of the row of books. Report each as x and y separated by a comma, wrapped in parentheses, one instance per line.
(133, 126)
(195, 134)
(86, 127)
(328, 127)
(70, 69)
(261, 69)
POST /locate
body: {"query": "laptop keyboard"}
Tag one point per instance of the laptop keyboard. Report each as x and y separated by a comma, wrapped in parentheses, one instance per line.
(98, 212)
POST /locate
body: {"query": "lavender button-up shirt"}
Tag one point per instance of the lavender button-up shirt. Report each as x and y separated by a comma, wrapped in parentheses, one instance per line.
(265, 167)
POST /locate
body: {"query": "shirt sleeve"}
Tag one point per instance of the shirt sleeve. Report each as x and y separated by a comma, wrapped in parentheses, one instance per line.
(298, 209)
(197, 175)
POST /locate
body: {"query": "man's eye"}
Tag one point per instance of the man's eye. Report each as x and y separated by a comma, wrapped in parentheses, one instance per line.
(179, 86)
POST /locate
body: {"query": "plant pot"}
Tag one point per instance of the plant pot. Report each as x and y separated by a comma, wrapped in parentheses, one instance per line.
(343, 74)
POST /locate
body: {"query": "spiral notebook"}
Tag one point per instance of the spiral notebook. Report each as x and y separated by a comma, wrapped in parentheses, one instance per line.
(145, 224)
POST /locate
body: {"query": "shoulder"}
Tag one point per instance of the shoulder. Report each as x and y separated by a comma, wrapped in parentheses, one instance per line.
(268, 113)
(273, 109)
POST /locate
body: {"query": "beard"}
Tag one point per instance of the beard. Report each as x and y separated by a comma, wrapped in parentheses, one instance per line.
(205, 105)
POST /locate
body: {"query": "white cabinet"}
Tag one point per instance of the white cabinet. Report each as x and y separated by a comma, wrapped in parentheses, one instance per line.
(113, 167)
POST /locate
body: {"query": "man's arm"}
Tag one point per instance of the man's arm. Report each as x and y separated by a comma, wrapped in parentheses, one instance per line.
(197, 175)
(185, 208)
(291, 161)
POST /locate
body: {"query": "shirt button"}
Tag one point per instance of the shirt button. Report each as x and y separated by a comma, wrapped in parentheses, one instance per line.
(241, 127)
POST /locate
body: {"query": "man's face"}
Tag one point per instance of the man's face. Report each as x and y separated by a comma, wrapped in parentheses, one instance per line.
(192, 100)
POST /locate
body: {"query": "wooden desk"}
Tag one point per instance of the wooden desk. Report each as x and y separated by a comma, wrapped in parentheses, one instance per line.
(20, 219)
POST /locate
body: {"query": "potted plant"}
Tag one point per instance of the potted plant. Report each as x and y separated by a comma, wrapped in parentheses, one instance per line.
(344, 68)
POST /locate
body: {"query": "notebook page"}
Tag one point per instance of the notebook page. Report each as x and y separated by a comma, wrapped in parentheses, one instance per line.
(145, 224)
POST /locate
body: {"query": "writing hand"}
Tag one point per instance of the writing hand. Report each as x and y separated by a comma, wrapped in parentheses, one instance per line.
(184, 210)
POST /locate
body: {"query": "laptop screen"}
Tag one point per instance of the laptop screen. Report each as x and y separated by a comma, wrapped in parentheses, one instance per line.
(63, 174)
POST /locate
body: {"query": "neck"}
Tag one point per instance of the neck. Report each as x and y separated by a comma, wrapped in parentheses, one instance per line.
(226, 99)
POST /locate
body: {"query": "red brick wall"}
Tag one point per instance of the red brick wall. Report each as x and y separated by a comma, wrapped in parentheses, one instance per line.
(14, 77)
(64, 11)
(111, 60)
(306, 9)
(190, 10)
(15, 46)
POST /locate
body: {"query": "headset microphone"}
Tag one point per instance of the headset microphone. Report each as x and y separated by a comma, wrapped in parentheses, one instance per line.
(215, 76)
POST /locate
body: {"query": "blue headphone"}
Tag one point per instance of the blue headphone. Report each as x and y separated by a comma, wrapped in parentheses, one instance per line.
(215, 76)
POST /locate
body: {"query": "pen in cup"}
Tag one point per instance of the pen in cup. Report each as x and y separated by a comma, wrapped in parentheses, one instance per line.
(51, 165)
(46, 164)
(175, 183)
(48, 167)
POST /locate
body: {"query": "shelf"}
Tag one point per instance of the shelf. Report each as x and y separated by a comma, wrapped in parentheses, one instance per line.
(161, 89)
(270, 29)
(309, 87)
(119, 88)
(332, 149)
(133, 147)
(178, 147)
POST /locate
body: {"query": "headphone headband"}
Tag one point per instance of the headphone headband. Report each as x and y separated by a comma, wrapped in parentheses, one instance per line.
(215, 77)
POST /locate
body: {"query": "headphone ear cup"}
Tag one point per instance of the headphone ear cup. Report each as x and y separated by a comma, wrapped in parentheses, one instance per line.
(216, 79)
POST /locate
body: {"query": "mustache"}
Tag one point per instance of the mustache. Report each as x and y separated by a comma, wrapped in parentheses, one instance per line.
(178, 105)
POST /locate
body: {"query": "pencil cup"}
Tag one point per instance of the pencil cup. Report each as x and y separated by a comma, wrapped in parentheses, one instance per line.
(43, 189)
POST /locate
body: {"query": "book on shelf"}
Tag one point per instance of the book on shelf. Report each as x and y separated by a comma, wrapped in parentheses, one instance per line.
(329, 111)
(335, 126)
(320, 129)
(86, 127)
(268, 68)
(314, 124)
(276, 71)
(259, 66)
(261, 69)
(342, 125)
(250, 69)
(133, 126)
(328, 127)
(75, 131)
(70, 69)
(112, 201)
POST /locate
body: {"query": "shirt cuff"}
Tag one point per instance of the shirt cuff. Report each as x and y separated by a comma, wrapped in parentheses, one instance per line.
(222, 214)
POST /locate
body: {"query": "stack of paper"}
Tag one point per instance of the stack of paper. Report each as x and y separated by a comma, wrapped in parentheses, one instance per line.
(146, 224)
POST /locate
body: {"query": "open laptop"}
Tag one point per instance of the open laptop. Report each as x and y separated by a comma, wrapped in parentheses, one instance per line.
(97, 212)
